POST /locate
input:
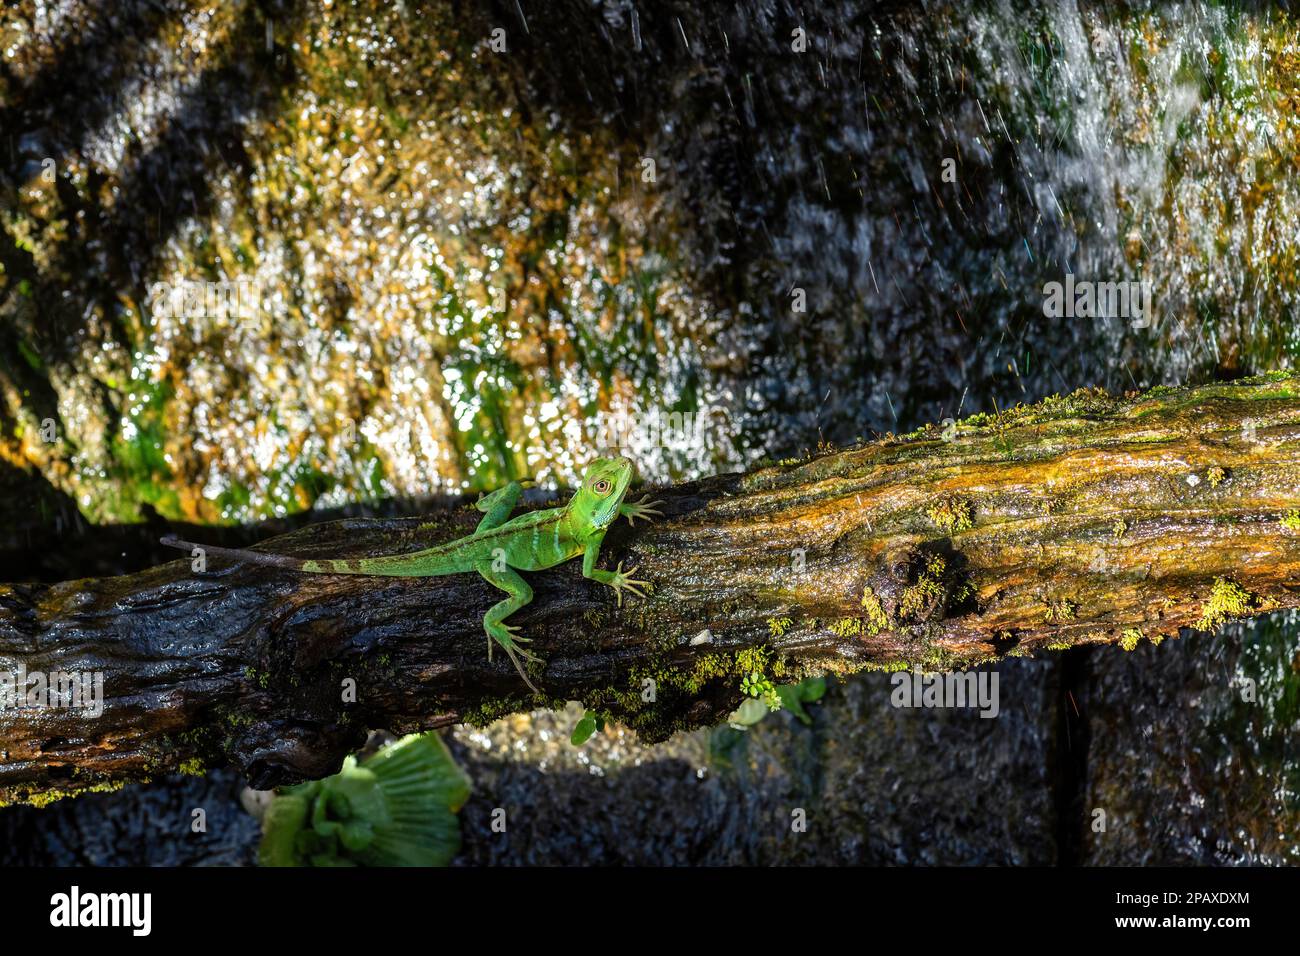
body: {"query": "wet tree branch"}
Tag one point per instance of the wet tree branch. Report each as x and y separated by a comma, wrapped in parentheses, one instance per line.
(1087, 519)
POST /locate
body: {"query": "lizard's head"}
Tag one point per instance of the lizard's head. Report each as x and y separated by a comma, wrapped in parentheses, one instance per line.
(602, 491)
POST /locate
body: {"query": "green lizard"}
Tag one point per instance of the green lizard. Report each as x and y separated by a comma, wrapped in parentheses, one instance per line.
(499, 548)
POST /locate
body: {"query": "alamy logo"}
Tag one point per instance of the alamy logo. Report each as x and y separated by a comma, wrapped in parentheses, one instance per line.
(36, 690)
(975, 689)
(191, 299)
(1085, 299)
(103, 909)
(656, 429)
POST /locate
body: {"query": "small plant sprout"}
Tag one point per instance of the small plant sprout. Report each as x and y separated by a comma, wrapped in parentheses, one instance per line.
(757, 686)
(1129, 638)
(1215, 476)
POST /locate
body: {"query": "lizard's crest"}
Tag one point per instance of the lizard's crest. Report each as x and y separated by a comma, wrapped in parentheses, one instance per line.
(602, 491)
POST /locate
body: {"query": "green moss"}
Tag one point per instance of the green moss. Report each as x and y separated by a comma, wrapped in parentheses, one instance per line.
(938, 658)
(1227, 599)
(1129, 638)
(1060, 611)
(888, 667)
(1291, 520)
(193, 767)
(689, 681)
(43, 798)
(1215, 476)
(749, 671)
(493, 709)
(951, 515)
(1119, 528)
(916, 598)
(752, 659)
(846, 627)
(777, 626)
(874, 618)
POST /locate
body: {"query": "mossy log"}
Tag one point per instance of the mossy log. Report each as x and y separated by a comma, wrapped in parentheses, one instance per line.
(1085, 519)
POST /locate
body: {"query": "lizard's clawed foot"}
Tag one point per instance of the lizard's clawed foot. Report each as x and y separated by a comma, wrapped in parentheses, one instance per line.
(507, 635)
(641, 509)
(623, 581)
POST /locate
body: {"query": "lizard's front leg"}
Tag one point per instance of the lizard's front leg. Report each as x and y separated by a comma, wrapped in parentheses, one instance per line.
(618, 579)
(507, 635)
(640, 509)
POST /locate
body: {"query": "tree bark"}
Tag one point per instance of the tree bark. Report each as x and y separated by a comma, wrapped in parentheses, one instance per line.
(1086, 519)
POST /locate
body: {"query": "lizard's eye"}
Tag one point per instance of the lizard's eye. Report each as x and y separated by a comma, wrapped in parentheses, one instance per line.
(602, 487)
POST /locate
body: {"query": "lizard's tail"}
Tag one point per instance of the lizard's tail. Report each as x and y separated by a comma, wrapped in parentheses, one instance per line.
(238, 554)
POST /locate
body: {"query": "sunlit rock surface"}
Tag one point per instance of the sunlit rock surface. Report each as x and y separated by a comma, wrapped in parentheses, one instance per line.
(323, 260)
(440, 262)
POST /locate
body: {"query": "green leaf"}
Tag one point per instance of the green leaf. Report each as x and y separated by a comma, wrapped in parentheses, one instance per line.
(398, 809)
(726, 744)
(583, 731)
(356, 835)
(812, 690)
(282, 825)
(749, 713)
(794, 696)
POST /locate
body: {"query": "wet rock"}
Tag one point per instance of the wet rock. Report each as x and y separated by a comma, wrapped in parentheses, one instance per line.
(875, 784)
(150, 825)
(1192, 756)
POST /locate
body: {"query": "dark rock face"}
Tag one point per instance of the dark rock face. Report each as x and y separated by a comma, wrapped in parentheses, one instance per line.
(874, 784)
(805, 148)
(150, 825)
(1193, 750)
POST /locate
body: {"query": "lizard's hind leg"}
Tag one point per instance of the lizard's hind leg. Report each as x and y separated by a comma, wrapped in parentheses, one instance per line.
(507, 635)
(497, 506)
